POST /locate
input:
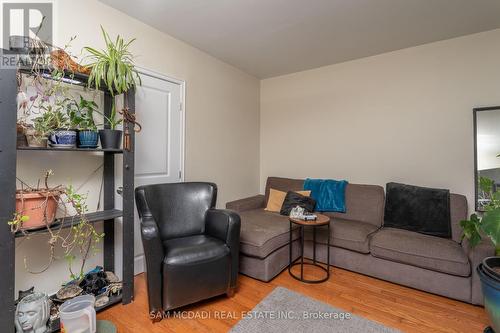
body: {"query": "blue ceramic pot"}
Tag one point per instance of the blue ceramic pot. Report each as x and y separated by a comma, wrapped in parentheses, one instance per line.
(63, 137)
(88, 139)
(490, 285)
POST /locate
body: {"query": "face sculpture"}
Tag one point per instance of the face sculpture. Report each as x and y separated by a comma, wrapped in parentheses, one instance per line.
(32, 314)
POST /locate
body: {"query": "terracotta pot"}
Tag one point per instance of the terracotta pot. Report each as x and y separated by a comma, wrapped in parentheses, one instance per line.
(34, 205)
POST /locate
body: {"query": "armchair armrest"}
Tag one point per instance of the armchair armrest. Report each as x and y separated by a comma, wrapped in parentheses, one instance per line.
(255, 202)
(225, 225)
(154, 254)
(476, 256)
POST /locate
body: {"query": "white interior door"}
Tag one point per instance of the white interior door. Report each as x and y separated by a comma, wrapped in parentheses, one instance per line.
(159, 146)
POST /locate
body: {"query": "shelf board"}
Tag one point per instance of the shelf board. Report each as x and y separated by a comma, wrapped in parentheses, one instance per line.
(70, 221)
(77, 79)
(55, 325)
(99, 150)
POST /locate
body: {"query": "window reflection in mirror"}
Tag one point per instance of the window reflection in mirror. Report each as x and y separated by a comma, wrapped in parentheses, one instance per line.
(487, 131)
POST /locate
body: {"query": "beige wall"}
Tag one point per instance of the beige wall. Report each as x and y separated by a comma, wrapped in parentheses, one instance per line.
(404, 116)
(222, 102)
(222, 122)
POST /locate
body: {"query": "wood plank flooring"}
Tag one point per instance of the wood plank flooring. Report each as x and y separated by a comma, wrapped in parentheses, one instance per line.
(393, 305)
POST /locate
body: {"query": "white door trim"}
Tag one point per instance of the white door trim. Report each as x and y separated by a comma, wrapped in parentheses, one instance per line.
(182, 85)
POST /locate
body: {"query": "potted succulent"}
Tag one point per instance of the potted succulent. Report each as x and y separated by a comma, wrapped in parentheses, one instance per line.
(489, 270)
(114, 67)
(81, 115)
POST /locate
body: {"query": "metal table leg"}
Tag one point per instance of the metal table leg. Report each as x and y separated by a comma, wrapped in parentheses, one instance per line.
(302, 252)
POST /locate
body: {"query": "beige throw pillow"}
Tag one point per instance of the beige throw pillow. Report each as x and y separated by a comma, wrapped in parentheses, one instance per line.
(276, 199)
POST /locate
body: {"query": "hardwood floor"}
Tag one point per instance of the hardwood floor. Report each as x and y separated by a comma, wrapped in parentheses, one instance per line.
(396, 306)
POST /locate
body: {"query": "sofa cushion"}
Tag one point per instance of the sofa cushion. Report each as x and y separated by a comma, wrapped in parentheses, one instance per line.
(412, 248)
(364, 203)
(294, 199)
(351, 235)
(263, 232)
(276, 199)
(420, 209)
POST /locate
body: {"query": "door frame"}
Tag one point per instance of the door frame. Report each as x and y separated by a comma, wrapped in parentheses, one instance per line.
(182, 84)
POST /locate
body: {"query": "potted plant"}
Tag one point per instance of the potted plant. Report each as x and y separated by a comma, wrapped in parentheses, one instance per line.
(35, 207)
(37, 134)
(111, 137)
(81, 115)
(114, 67)
(80, 238)
(51, 101)
(62, 135)
(489, 270)
(489, 223)
(21, 136)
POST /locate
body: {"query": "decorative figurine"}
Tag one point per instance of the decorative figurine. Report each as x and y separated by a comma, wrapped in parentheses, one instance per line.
(32, 314)
(68, 291)
(24, 293)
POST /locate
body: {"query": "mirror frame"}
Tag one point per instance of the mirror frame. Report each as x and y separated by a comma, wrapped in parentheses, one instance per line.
(476, 178)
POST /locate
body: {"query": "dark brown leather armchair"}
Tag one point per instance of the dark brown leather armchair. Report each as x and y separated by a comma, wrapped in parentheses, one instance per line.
(191, 249)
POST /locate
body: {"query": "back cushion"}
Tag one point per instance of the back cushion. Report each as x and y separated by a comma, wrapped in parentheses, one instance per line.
(364, 203)
(179, 209)
(458, 212)
(283, 184)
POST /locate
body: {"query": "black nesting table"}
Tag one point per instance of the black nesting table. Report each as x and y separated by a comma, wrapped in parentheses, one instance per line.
(321, 220)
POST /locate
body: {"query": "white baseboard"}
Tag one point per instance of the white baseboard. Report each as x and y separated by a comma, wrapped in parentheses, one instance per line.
(139, 265)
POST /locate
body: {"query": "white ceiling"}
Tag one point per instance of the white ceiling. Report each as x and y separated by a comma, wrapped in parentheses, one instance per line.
(273, 37)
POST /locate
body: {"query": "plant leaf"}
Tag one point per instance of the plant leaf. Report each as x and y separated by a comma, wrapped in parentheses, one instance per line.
(491, 225)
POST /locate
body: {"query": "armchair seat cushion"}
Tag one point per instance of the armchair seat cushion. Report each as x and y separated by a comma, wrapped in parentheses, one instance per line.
(193, 249)
(429, 252)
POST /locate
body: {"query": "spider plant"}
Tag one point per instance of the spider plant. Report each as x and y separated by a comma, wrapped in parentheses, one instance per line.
(113, 66)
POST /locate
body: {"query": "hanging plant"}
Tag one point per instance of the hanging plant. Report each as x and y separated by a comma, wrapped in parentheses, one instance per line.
(114, 67)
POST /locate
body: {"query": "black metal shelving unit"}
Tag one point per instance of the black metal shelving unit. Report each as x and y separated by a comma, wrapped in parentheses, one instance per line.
(8, 156)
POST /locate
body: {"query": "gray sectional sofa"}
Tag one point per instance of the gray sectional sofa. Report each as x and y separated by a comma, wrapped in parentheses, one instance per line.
(360, 243)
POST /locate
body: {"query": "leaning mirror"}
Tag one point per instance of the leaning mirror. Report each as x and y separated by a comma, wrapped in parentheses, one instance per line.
(487, 151)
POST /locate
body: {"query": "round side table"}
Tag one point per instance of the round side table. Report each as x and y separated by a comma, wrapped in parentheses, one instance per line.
(321, 220)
